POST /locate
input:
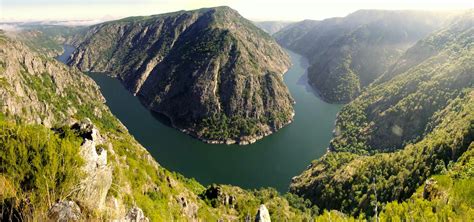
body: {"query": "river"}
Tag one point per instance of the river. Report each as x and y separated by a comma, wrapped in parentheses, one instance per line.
(270, 162)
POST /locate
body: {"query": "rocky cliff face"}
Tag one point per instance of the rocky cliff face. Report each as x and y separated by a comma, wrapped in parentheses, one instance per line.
(39, 89)
(211, 72)
(347, 54)
(35, 89)
(262, 214)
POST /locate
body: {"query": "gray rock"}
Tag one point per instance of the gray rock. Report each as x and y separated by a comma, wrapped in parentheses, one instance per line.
(135, 214)
(188, 208)
(262, 214)
(98, 179)
(65, 211)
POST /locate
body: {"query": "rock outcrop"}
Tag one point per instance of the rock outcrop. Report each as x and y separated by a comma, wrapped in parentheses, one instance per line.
(213, 73)
(431, 191)
(216, 194)
(262, 214)
(64, 211)
(135, 214)
(188, 208)
(98, 176)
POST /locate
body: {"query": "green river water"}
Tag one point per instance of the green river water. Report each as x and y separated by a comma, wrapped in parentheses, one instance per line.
(270, 162)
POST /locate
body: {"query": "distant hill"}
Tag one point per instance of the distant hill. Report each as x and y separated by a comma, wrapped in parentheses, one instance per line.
(272, 27)
(347, 54)
(43, 38)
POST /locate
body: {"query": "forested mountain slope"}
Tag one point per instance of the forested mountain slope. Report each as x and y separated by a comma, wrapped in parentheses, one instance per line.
(64, 155)
(401, 108)
(212, 72)
(399, 132)
(347, 54)
(408, 136)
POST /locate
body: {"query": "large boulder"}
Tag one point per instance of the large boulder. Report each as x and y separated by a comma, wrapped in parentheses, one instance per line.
(262, 214)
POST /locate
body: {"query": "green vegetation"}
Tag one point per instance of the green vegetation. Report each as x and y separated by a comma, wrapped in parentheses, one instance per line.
(46, 91)
(220, 127)
(3, 66)
(447, 197)
(415, 123)
(339, 84)
(40, 165)
(153, 188)
(345, 181)
(405, 145)
(37, 165)
(246, 202)
(42, 85)
(401, 109)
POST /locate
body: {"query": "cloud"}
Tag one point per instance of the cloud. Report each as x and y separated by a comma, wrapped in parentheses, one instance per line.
(10, 27)
(21, 10)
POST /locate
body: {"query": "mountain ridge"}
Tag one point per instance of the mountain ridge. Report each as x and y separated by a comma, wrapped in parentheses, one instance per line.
(401, 131)
(348, 53)
(219, 64)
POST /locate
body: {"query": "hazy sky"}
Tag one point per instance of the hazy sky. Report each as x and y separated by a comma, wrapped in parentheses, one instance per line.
(21, 10)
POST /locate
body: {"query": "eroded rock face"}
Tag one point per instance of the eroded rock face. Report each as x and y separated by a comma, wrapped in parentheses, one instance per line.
(262, 214)
(64, 211)
(98, 178)
(36, 88)
(135, 214)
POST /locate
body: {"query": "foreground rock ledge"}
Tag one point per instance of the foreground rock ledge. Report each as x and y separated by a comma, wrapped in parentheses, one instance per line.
(262, 214)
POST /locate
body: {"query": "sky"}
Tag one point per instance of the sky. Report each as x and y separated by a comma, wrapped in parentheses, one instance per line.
(258, 10)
